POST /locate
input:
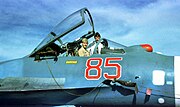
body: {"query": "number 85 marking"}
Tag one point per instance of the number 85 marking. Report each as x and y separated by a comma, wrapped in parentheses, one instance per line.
(98, 68)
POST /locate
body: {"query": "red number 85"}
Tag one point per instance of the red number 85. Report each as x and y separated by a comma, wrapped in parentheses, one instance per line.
(97, 67)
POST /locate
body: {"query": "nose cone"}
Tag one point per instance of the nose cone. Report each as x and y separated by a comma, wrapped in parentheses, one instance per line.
(147, 47)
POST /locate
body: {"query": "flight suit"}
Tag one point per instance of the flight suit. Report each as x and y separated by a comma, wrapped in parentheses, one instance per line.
(83, 52)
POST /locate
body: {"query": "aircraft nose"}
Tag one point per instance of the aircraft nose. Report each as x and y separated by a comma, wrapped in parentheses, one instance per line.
(177, 79)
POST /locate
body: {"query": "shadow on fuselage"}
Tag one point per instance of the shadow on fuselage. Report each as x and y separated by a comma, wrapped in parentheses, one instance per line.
(125, 92)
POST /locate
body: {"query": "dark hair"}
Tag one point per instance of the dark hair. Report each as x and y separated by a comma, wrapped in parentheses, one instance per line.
(97, 35)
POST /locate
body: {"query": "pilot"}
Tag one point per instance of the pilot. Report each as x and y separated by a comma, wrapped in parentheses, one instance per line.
(92, 45)
(83, 51)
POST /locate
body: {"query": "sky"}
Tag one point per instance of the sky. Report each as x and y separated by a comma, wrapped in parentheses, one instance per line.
(25, 23)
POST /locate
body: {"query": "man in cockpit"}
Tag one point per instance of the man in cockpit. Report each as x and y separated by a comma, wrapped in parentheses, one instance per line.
(92, 45)
(83, 50)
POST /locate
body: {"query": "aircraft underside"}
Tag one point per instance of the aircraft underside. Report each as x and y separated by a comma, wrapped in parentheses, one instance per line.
(112, 96)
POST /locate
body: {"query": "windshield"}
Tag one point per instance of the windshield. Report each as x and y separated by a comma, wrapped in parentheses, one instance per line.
(115, 45)
(105, 46)
(69, 29)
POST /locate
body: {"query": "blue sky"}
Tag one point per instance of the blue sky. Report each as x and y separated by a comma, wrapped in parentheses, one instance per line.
(25, 23)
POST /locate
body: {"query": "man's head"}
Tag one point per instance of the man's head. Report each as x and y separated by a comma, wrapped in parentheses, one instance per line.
(84, 43)
(97, 36)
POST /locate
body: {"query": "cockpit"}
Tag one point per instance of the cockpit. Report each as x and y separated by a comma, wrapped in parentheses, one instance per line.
(65, 38)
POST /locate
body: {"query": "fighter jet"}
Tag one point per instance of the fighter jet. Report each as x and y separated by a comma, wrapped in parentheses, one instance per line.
(119, 76)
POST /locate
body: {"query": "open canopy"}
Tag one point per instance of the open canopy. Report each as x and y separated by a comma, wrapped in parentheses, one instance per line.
(68, 34)
(76, 25)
